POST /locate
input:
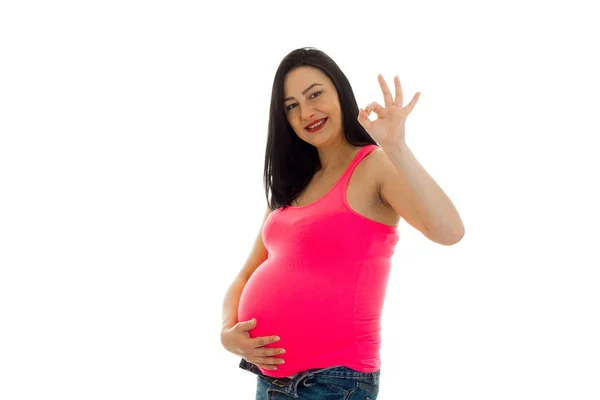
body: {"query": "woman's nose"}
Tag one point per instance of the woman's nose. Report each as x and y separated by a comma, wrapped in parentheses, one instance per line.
(307, 115)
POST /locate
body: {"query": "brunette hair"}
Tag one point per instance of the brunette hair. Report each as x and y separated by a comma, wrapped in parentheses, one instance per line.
(290, 162)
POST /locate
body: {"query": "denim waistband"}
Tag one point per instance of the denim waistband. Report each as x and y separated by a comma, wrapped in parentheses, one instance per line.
(289, 386)
(338, 370)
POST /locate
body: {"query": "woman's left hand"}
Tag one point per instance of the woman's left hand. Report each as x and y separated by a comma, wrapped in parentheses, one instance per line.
(389, 127)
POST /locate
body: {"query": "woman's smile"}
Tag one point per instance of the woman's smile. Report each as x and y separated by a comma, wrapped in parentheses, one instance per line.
(318, 127)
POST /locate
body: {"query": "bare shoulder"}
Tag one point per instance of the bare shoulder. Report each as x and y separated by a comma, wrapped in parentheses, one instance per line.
(364, 197)
(391, 193)
(377, 165)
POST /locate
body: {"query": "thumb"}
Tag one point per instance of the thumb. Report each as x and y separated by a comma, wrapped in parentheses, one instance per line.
(363, 119)
(245, 326)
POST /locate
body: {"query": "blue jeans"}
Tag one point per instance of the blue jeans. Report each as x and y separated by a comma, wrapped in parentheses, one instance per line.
(331, 383)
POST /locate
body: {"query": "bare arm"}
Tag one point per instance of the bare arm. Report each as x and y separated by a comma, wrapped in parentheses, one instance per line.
(230, 304)
(257, 256)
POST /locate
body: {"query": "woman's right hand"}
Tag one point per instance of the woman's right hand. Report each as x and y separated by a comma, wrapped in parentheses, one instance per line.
(237, 340)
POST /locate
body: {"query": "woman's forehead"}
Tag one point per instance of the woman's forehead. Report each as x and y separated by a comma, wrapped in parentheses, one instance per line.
(300, 78)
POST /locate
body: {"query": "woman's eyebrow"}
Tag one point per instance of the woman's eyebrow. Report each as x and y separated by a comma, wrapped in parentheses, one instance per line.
(304, 92)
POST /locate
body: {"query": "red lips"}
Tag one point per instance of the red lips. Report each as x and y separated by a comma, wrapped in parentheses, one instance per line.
(314, 122)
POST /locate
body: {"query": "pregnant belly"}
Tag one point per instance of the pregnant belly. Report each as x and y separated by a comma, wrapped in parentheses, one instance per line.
(311, 314)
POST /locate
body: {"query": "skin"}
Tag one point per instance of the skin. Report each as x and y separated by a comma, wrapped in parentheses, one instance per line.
(335, 152)
(319, 102)
(306, 103)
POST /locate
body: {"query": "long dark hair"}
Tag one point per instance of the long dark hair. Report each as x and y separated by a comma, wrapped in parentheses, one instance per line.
(290, 162)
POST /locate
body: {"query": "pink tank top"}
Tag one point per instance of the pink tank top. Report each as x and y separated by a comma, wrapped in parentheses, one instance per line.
(322, 287)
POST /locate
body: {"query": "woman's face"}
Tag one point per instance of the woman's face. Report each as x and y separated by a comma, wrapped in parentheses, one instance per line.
(309, 96)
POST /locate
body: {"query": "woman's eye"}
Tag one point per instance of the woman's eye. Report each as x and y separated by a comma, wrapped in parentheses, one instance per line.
(288, 108)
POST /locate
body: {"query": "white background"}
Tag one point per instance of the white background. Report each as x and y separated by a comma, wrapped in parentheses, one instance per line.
(132, 140)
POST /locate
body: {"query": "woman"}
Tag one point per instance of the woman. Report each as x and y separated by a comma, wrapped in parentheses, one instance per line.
(339, 184)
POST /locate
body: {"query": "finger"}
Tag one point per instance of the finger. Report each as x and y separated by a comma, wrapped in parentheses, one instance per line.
(413, 103)
(264, 340)
(265, 366)
(364, 120)
(399, 98)
(376, 107)
(267, 351)
(387, 95)
(260, 364)
(270, 352)
(247, 325)
(270, 360)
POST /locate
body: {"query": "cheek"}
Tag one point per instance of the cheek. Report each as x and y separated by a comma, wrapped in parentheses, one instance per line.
(294, 123)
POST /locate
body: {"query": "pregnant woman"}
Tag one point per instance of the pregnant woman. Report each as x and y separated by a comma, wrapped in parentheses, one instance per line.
(304, 313)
